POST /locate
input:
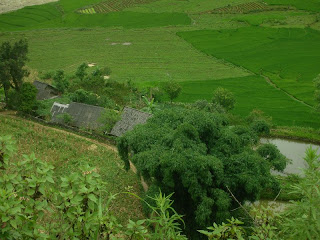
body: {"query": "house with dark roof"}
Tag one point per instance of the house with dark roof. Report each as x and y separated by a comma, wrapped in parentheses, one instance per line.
(45, 91)
(82, 115)
(129, 119)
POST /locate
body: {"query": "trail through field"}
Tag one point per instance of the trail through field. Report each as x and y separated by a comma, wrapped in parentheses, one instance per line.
(12, 114)
(11, 5)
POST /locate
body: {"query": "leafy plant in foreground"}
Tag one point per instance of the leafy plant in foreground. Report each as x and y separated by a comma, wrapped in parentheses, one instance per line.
(302, 218)
(35, 205)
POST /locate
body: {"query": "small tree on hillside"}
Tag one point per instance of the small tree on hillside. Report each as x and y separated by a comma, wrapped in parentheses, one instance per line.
(224, 97)
(173, 89)
(12, 65)
(81, 71)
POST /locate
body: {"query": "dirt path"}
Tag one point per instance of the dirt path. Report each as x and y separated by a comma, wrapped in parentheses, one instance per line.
(113, 148)
(11, 5)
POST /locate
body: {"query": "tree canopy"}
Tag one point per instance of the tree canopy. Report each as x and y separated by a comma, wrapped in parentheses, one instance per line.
(200, 157)
(12, 65)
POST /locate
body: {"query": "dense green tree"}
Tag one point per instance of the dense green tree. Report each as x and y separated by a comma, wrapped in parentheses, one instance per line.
(224, 97)
(27, 98)
(198, 156)
(12, 65)
(173, 89)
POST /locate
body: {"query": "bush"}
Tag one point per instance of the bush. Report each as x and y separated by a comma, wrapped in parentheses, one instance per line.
(106, 71)
(208, 107)
(28, 98)
(261, 127)
(60, 81)
(81, 71)
(47, 75)
(66, 118)
(173, 89)
(24, 100)
(13, 99)
(301, 220)
(108, 119)
(224, 98)
(257, 114)
(83, 96)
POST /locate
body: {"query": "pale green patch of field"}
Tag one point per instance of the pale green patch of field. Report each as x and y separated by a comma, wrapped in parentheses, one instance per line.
(137, 55)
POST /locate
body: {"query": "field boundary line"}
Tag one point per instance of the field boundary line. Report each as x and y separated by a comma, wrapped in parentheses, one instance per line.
(268, 80)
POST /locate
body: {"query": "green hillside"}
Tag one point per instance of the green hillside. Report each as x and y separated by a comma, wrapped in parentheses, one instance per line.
(66, 152)
(202, 44)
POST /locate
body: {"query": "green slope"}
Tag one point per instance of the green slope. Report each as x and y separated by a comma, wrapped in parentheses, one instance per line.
(289, 56)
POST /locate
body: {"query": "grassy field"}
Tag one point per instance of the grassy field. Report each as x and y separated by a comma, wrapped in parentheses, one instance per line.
(66, 152)
(154, 55)
(292, 55)
(156, 41)
(254, 92)
(29, 17)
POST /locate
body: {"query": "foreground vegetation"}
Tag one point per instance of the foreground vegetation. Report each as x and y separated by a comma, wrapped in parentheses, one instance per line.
(146, 53)
(37, 203)
(66, 152)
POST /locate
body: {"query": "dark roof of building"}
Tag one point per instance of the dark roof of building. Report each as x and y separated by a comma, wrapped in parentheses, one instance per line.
(83, 115)
(45, 91)
(129, 119)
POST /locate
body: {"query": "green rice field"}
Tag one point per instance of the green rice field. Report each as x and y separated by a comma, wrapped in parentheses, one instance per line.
(289, 57)
(202, 44)
(254, 93)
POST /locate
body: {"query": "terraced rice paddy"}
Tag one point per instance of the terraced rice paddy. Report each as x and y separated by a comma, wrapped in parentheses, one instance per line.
(87, 11)
(247, 8)
(113, 6)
